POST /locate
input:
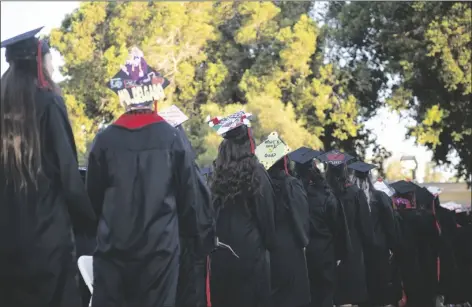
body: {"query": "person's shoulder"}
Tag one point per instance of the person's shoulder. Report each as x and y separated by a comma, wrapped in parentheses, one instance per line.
(47, 98)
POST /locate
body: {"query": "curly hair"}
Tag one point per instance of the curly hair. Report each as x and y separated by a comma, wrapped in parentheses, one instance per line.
(235, 175)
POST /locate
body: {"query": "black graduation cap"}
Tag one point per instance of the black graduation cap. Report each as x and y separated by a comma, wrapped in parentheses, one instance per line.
(361, 167)
(424, 198)
(335, 157)
(24, 46)
(206, 171)
(403, 187)
(304, 155)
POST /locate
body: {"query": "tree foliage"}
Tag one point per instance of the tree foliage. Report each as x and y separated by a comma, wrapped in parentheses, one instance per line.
(427, 45)
(220, 56)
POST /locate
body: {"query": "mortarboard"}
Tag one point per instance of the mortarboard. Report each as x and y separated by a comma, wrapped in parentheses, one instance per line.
(335, 157)
(361, 167)
(137, 84)
(173, 115)
(24, 46)
(224, 125)
(304, 155)
(206, 171)
(234, 126)
(27, 47)
(424, 198)
(403, 187)
(271, 150)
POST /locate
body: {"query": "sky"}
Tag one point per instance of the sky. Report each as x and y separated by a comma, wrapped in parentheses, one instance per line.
(21, 16)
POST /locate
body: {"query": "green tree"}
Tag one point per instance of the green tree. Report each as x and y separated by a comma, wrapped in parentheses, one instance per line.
(427, 47)
(431, 175)
(394, 171)
(266, 57)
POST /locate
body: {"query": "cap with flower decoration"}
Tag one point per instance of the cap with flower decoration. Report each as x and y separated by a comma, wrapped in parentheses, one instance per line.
(137, 85)
(236, 126)
(335, 157)
(27, 46)
(271, 150)
(226, 124)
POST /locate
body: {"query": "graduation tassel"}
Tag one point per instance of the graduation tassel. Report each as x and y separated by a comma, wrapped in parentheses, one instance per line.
(42, 83)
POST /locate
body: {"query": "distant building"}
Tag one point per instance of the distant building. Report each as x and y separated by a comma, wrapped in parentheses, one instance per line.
(455, 192)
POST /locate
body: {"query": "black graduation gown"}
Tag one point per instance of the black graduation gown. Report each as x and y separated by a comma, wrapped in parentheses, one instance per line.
(329, 242)
(143, 184)
(417, 255)
(37, 267)
(383, 283)
(351, 284)
(191, 289)
(290, 284)
(250, 230)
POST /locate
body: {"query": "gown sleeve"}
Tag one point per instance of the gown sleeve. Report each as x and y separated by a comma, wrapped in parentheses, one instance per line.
(298, 201)
(265, 210)
(192, 198)
(60, 132)
(364, 221)
(96, 177)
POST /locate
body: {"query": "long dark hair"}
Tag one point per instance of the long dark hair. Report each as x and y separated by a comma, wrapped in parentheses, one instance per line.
(337, 178)
(19, 130)
(364, 182)
(235, 177)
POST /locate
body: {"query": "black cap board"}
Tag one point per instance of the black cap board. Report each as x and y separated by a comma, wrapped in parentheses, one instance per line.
(424, 198)
(304, 155)
(335, 157)
(361, 167)
(403, 187)
(206, 171)
(24, 46)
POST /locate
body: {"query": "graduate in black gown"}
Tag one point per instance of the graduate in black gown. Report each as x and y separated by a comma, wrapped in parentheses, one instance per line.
(41, 190)
(289, 276)
(383, 282)
(144, 186)
(244, 201)
(191, 289)
(351, 281)
(328, 234)
(418, 249)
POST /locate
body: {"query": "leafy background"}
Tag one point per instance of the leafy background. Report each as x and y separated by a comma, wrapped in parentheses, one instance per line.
(315, 73)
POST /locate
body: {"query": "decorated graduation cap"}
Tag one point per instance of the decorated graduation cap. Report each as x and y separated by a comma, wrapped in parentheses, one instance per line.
(271, 150)
(27, 46)
(335, 158)
(173, 115)
(403, 186)
(304, 155)
(137, 84)
(235, 126)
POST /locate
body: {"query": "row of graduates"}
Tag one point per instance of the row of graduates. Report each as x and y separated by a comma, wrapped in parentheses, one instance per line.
(336, 241)
(150, 218)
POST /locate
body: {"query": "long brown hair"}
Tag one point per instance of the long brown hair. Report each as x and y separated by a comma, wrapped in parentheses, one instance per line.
(19, 130)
